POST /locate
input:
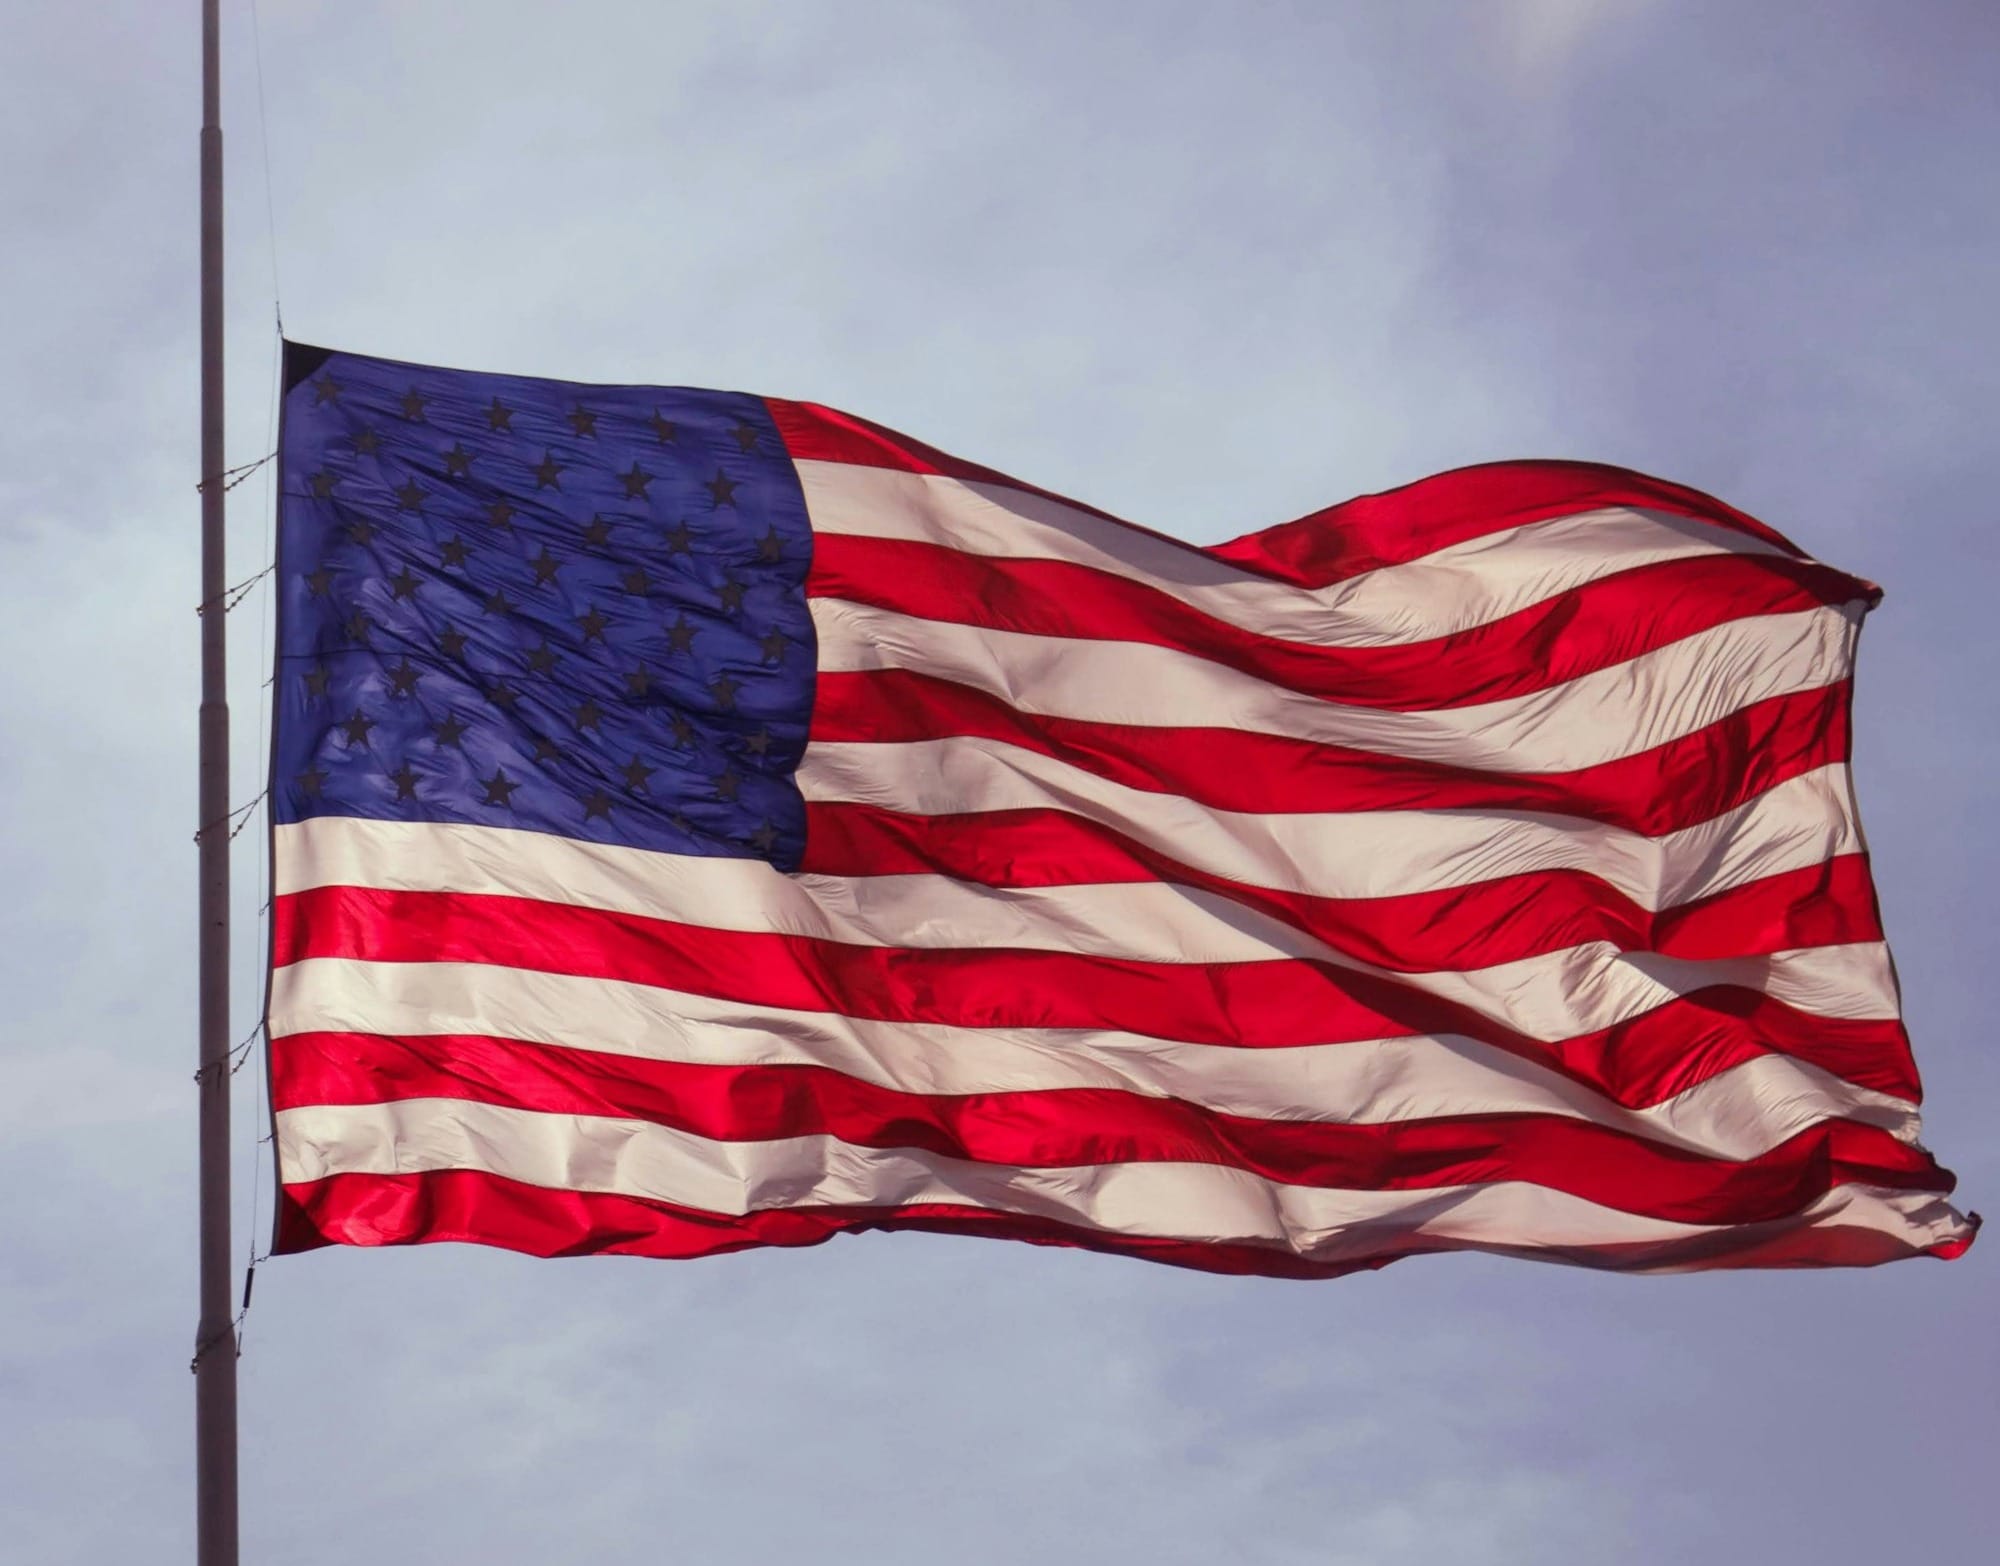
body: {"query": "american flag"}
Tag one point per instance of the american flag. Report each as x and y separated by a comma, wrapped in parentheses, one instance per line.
(704, 821)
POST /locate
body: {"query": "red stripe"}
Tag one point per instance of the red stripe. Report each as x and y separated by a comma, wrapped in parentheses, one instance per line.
(1574, 633)
(1685, 781)
(815, 433)
(482, 1209)
(1341, 541)
(1252, 1005)
(1418, 519)
(1474, 926)
(1065, 1127)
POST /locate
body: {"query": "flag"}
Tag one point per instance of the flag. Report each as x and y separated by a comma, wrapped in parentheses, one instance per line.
(703, 821)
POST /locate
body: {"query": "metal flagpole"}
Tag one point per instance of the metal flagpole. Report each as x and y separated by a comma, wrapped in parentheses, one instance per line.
(215, 1337)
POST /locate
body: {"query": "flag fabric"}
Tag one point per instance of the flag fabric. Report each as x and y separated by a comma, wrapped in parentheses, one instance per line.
(704, 821)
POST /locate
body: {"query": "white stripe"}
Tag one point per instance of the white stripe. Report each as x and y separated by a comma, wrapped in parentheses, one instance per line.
(1203, 1203)
(1803, 821)
(1602, 716)
(1736, 1114)
(1552, 996)
(1452, 589)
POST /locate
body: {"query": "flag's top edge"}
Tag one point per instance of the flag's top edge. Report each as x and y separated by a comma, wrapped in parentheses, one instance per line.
(1340, 541)
(303, 360)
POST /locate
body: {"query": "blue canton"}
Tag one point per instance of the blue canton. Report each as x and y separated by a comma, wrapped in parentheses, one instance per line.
(528, 603)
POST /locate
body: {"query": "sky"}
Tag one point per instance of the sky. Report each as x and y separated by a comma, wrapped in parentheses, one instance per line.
(1208, 267)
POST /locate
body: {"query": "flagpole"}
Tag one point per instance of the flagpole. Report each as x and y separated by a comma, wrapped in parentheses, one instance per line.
(215, 1337)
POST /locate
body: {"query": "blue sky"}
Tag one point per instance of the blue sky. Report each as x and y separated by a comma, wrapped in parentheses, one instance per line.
(1208, 267)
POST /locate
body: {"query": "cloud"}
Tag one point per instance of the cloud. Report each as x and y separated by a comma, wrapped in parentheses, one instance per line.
(1543, 38)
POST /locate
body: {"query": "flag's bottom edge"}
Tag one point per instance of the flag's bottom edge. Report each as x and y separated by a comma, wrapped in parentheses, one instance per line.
(474, 1207)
